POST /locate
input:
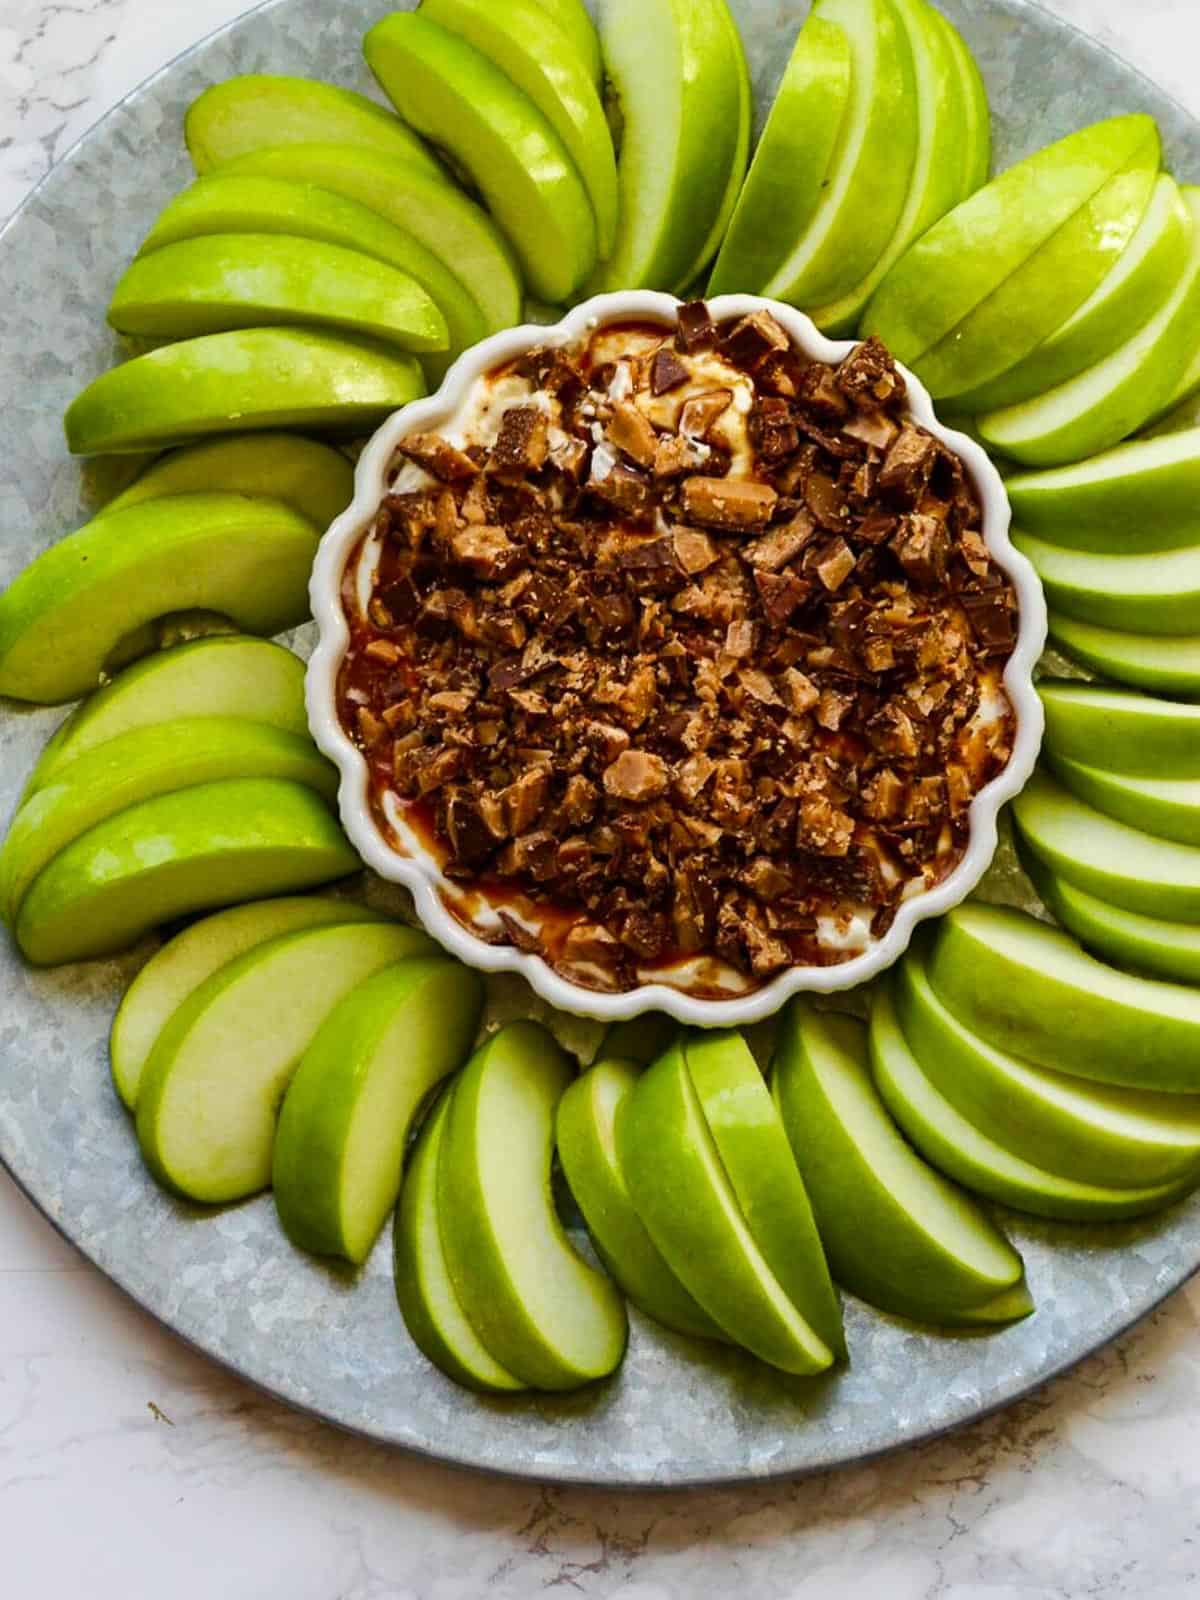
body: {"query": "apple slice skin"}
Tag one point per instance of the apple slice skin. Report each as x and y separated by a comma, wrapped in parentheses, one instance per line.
(242, 280)
(345, 1119)
(738, 164)
(241, 382)
(137, 766)
(957, 1147)
(641, 1040)
(586, 1137)
(690, 1210)
(179, 853)
(1168, 808)
(544, 1314)
(64, 617)
(246, 112)
(430, 1308)
(1136, 734)
(1031, 990)
(451, 92)
(210, 1092)
(573, 18)
(754, 1150)
(1168, 663)
(185, 962)
(1091, 1133)
(977, 139)
(1157, 593)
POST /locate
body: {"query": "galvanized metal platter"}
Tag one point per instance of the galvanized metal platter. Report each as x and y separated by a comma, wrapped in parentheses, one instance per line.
(331, 1342)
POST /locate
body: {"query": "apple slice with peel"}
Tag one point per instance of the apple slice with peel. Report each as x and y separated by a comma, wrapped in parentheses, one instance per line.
(689, 1206)
(222, 676)
(573, 18)
(977, 247)
(65, 617)
(534, 53)
(897, 1234)
(868, 181)
(691, 277)
(241, 382)
(347, 1114)
(1094, 1133)
(1176, 410)
(641, 1040)
(137, 766)
(787, 175)
(755, 1152)
(211, 1090)
(677, 74)
(953, 1144)
(1138, 284)
(1169, 808)
(176, 854)
(1168, 663)
(449, 91)
(1111, 400)
(1154, 593)
(255, 109)
(586, 1135)
(312, 478)
(246, 280)
(1029, 989)
(431, 1309)
(1134, 733)
(543, 1313)
(976, 159)
(189, 959)
(1123, 865)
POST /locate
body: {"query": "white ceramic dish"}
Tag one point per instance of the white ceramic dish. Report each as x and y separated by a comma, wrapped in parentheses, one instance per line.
(420, 873)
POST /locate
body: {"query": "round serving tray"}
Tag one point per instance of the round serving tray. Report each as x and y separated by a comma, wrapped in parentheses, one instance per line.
(332, 1342)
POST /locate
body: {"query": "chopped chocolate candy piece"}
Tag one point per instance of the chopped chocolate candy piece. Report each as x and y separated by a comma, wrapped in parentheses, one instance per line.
(637, 775)
(826, 500)
(702, 411)
(694, 551)
(908, 463)
(754, 337)
(667, 372)
(801, 692)
(523, 442)
(569, 456)
(781, 595)
(728, 502)
(991, 619)
(832, 708)
(782, 544)
(527, 940)
(922, 546)
(630, 432)
(833, 563)
(872, 427)
(739, 638)
(695, 330)
(534, 854)
(869, 378)
(821, 393)
(487, 551)
(438, 456)
(623, 487)
(591, 942)
(646, 933)
(676, 454)
(823, 828)
(766, 879)
(884, 796)
(470, 837)
(772, 431)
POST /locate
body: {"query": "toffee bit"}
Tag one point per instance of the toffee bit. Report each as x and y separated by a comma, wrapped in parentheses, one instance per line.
(728, 503)
(438, 456)
(636, 775)
(695, 329)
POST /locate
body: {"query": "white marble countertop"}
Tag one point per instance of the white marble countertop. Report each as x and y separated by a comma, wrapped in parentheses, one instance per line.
(131, 1467)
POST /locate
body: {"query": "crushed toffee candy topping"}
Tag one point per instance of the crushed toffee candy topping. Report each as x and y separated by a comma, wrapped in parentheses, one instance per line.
(682, 652)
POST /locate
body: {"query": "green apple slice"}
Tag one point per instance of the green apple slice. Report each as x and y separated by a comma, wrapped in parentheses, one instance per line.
(936, 182)
(1093, 1133)
(688, 1204)
(244, 280)
(957, 1147)
(737, 170)
(247, 112)
(977, 247)
(539, 58)
(1164, 419)
(1139, 283)
(179, 853)
(869, 179)
(63, 618)
(448, 90)
(348, 1112)
(312, 478)
(1147, 944)
(1120, 864)
(544, 1314)
(1135, 733)
(1169, 663)
(1154, 593)
(573, 18)
(218, 1071)
(1111, 400)
(1169, 808)
(241, 382)
(463, 240)
(222, 676)
(785, 182)
(175, 971)
(137, 766)
(976, 160)
(431, 1310)
(1029, 989)
(587, 1149)
(677, 74)
(641, 1040)
(896, 1233)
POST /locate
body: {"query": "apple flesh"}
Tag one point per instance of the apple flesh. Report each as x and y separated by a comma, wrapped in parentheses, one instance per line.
(185, 962)
(1136, 733)
(241, 382)
(573, 18)
(1157, 593)
(586, 1138)
(1169, 808)
(179, 853)
(349, 1109)
(211, 1090)
(1168, 663)
(976, 155)
(247, 112)
(545, 1315)
(896, 1233)
(446, 89)
(1029, 989)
